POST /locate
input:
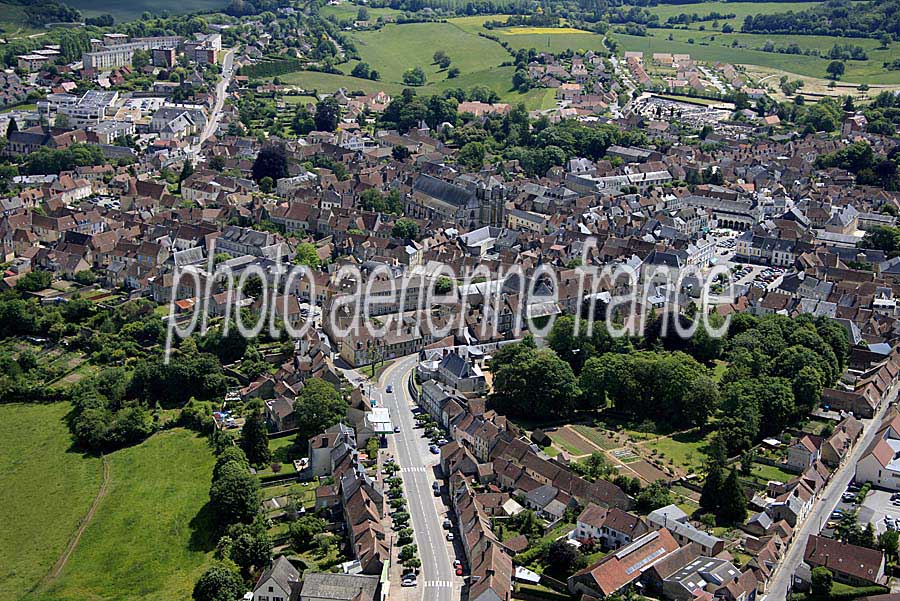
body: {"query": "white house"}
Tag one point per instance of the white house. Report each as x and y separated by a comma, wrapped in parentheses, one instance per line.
(880, 464)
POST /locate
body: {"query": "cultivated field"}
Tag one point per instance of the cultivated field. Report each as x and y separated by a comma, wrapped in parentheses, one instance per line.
(539, 38)
(150, 537)
(45, 490)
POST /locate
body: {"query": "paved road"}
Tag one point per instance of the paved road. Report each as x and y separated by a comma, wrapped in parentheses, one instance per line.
(821, 511)
(221, 87)
(437, 580)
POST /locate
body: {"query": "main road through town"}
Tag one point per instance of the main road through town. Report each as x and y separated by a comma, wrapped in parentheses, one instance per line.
(437, 580)
(822, 508)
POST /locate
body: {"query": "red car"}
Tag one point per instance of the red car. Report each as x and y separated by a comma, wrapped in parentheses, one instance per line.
(459, 570)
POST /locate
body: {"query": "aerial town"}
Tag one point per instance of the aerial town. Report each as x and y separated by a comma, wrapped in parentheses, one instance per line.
(376, 301)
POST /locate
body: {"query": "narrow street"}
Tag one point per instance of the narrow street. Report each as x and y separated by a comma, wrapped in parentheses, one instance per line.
(221, 88)
(780, 583)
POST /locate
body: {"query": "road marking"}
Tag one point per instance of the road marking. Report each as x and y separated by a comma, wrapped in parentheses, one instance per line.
(410, 470)
(438, 584)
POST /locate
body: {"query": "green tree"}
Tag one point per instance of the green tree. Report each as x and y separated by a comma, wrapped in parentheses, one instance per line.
(328, 114)
(887, 542)
(536, 383)
(303, 530)
(405, 229)
(271, 161)
(218, 583)
(217, 163)
(822, 581)
(653, 497)
(471, 155)
(255, 437)
(234, 495)
(414, 77)
(733, 507)
(251, 546)
(835, 69)
(307, 255)
(319, 406)
(561, 557)
(230, 454)
(710, 497)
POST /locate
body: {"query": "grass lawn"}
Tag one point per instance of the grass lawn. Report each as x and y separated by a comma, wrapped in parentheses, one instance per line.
(150, 536)
(764, 473)
(597, 436)
(684, 448)
(45, 490)
(305, 494)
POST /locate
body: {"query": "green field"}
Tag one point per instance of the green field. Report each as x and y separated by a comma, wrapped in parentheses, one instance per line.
(714, 46)
(150, 536)
(498, 79)
(127, 11)
(349, 11)
(684, 449)
(554, 40)
(395, 48)
(739, 9)
(45, 490)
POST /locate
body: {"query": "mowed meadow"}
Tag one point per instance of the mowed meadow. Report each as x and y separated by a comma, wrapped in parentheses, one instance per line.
(45, 490)
(395, 48)
(148, 536)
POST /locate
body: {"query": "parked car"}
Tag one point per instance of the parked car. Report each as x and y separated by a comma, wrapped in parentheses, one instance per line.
(434, 449)
(459, 571)
(408, 582)
(457, 563)
(450, 536)
(447, 525)
(396, 429)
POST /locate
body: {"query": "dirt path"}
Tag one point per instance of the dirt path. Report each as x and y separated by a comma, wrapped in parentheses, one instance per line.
(85, 522)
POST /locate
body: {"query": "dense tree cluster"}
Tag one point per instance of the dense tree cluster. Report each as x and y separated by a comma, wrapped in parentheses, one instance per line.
(839, 18)
(777, 368)
(53, 160)
(673, 387)
(234, 494)
(529, 382)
